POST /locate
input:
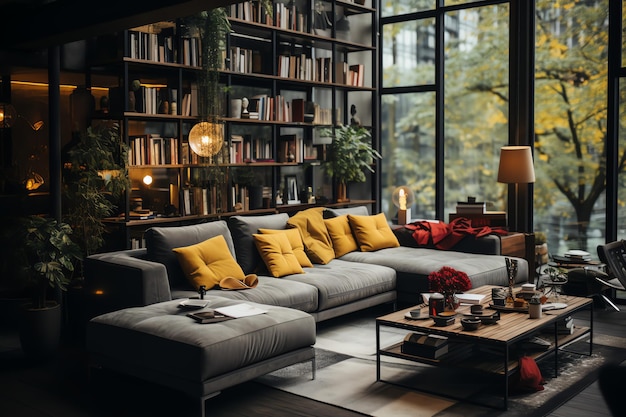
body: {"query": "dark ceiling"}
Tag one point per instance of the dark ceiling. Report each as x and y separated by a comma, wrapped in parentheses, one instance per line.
(37, 24)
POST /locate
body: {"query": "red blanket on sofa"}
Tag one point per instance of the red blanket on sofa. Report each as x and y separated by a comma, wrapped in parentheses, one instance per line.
(445, 235)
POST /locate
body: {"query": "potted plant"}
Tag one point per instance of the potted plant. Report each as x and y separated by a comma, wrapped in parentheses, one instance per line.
(349, 154)
(47, 254)
(96, 177)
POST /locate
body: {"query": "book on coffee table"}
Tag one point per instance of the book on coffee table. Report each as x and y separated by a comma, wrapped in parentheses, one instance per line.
(430, 346)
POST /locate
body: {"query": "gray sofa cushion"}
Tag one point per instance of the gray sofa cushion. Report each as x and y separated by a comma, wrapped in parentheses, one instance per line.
(243, 227)
(414, 264)
(160, 339)
(340, 282)
(161, 240)
(273, 291)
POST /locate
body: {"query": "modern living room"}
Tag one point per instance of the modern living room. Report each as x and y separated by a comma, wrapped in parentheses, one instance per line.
(478, 82)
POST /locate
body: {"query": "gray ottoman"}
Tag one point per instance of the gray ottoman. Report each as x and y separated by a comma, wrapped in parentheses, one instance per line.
(159, 343)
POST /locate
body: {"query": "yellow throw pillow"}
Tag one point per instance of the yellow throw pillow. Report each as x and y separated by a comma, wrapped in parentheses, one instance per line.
(207, 263)
(341, 235)
(315, 236)
(373, 232)
(277, 254)
(295, 240)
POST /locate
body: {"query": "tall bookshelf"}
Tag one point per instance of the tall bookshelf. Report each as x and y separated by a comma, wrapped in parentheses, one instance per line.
(297, 74)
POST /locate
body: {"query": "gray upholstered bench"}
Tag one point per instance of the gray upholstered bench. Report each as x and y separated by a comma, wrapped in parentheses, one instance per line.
(159, 343)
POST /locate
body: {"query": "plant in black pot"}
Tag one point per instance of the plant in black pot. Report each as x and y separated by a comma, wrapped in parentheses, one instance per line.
(48, 255)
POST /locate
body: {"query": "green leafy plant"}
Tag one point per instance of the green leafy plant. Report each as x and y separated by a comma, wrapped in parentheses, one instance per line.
(96, 177)
(48, 255)
(540, 238)
(349, 154)
(212, 26)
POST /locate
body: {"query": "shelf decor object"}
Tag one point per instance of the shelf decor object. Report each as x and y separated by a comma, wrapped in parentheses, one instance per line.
(402, 198)
(206, 138)
(8, 115)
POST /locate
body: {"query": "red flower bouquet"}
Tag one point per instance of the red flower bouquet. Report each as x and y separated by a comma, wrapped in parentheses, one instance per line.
(449, 280)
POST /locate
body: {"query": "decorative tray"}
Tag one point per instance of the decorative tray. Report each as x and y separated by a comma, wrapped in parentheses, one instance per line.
(510, 308)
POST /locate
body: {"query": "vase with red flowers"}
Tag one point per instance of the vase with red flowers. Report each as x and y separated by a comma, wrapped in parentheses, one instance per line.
(449, 282)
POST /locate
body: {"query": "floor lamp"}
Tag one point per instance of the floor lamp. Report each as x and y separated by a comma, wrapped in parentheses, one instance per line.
(516, 168)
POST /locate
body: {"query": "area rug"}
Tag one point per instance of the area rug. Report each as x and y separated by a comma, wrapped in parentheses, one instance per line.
(346, 377)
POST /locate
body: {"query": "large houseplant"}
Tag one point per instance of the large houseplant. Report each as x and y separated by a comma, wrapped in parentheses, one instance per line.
(96, 177)
(47, 255)
(349, 155)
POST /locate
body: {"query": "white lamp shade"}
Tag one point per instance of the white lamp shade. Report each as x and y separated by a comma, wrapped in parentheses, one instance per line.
(516, 165)
(206, 139)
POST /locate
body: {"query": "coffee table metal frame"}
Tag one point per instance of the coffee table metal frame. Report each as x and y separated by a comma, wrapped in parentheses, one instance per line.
(512, 328)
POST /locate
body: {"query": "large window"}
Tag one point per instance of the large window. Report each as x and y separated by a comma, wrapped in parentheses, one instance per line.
(474, 70)
(448, 106)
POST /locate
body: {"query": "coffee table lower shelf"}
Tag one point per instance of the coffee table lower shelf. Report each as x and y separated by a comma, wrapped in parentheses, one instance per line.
(492, 350)
(479, 358)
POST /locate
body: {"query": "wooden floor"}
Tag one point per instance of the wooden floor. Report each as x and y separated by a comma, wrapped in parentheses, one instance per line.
(61, 388)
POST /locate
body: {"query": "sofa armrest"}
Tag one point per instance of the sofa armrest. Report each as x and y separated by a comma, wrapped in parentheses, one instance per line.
(116, 280)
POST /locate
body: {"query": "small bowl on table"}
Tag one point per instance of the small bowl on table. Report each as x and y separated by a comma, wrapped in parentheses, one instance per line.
(470, 323)
(444, 319)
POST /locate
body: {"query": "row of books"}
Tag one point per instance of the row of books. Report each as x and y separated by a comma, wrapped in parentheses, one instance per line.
(470, 207)
(285, 15)
(201, 201)
(152, 43)
(302, 67)
(350, 74)
(244, 148)
(152, 150)
(244, 60)
(158, 44)
(291, 148)
(190, 157)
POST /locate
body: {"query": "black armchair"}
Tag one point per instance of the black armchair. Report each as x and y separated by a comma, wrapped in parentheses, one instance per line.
(614, 256)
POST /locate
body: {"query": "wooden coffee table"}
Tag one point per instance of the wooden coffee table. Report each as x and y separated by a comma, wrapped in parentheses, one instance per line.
(467, 348)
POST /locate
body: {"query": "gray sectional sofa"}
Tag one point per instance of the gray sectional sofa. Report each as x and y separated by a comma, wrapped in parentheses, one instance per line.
(350, 283)
(136, 295)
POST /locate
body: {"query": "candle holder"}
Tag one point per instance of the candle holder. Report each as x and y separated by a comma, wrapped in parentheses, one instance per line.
(402, 198)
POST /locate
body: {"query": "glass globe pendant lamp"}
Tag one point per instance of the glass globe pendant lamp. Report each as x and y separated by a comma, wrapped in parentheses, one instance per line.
(206, 138)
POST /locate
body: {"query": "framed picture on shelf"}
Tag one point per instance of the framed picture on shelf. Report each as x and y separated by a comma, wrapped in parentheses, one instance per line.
(291, 182)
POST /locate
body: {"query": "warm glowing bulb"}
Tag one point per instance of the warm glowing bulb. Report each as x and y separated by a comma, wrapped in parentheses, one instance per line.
(205, 140)
(402, 199)
(1, 115)
(147, 180)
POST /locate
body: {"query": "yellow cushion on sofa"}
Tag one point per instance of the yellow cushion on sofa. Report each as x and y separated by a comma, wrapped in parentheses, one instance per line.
(341, 235)
(277, 254)
(207, 263)
(373, 232)
(295, 240)
(315, 236)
